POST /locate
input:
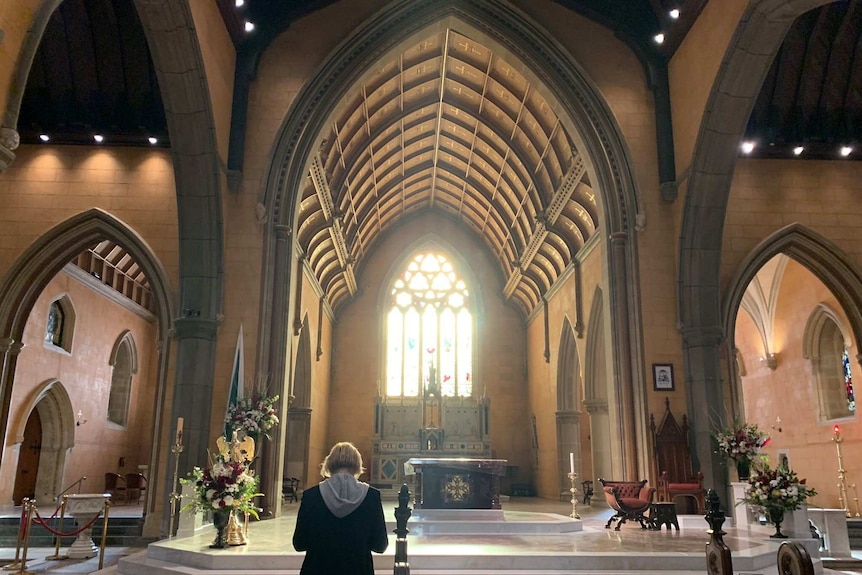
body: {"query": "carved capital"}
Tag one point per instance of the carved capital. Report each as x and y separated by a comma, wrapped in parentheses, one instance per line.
(9, 141)
(596, 406)
(10, 346)
(193, 327)
(669, 191)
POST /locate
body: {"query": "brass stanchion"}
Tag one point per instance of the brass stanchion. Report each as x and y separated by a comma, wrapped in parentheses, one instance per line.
(22, 568)
(56, 556)
(176, 449)
(14, 565)
(856, 499)
(106, 511)
(842, 481)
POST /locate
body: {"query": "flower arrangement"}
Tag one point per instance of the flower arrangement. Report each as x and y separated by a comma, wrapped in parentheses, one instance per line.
(227, 483)
(742, 441)
(776, 489)
(254, 415)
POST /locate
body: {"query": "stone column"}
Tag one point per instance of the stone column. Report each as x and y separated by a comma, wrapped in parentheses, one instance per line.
(600, 434)
(706, 408)
(569, 441)
(298, 436)
(9, 352)
(271, 463)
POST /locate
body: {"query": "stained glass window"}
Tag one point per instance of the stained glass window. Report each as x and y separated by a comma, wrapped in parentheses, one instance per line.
(429, 331)
(848, 382)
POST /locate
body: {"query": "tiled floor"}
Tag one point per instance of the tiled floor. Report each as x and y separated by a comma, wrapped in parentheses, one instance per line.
(593, 539)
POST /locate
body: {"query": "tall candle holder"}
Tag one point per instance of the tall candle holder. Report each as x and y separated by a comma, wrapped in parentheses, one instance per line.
(842, 479)
(856, 499)
(574, 491)
(176, 449)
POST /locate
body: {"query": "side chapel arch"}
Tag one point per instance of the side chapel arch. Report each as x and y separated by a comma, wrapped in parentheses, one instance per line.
(501, 25)
(568, 400)
(821, 257)
(40, 262)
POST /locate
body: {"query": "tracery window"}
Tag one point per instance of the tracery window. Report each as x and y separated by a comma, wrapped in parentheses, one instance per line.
(848, 381)
(429, 331)
(60, 325)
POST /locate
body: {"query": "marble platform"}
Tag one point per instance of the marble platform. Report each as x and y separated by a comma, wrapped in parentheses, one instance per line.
(589, 549)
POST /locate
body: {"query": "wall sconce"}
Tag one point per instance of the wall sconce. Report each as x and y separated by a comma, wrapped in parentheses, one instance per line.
(777, 425)
(80, 421)
(770, 361)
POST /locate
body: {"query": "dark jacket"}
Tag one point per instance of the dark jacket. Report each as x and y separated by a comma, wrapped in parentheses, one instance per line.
(342, 546)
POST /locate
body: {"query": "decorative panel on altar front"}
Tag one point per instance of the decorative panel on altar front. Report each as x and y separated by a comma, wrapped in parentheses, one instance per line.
(426, 427)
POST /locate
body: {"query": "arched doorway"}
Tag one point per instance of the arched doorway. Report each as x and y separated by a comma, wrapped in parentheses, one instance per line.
(296, 462)
(568, 400)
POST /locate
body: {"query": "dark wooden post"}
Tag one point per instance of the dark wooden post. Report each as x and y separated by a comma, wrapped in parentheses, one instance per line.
(718, 560)
(402, 514)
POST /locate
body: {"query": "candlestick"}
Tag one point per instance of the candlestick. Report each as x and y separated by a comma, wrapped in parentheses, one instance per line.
(842, 480)
(573, 491)
(571, 462)
(176, 449)
(179, 439)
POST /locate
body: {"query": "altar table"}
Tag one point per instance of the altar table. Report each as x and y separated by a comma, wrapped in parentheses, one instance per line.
(456, 483)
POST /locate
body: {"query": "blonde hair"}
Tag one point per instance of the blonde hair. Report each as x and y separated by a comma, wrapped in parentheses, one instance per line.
(342, 457)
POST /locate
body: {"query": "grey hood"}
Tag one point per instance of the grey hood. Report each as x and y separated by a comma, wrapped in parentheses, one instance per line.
(342, 493)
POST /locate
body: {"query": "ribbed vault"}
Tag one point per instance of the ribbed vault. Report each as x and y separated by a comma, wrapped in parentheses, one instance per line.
(448, 125)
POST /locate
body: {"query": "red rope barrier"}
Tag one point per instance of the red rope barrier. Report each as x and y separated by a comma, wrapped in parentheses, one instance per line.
(39, 521)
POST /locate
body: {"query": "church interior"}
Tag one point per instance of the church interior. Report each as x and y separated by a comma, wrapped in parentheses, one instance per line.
(526, 231)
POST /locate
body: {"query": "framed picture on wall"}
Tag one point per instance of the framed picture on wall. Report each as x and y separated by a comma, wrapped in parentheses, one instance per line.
(662, 376)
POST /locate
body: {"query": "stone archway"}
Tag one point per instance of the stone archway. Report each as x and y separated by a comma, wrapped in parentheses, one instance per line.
(748, 57)
(51, 401)
(296, 462)
(596, 392)
(820, 256)
(40, 262)
(582, 106)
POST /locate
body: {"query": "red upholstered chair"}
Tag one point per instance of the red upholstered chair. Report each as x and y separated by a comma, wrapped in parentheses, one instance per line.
(630, 500)
(673, 461)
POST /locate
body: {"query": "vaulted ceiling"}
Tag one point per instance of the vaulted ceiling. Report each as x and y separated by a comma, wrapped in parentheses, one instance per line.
(448, 125)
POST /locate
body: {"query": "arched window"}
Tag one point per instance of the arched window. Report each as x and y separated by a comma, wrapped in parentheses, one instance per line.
(125, 363)
(429, 331)
(61, 324)
(826, 344)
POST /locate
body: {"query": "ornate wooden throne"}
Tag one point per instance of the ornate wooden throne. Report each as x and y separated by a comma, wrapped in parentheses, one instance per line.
(673, 460)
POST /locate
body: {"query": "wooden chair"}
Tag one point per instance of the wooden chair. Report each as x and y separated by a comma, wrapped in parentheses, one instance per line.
(630, 500)
(135, 485)
(115, 486)
(289, 489)
(673, 461)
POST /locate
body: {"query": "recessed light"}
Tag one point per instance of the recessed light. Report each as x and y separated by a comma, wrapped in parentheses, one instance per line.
(153, 140)
(44, 137)
(659, 38)
(239, 3)
(99, 138)
(674, 14)
(748, 147)
(249, 26)
(798, 150)
(846, 151)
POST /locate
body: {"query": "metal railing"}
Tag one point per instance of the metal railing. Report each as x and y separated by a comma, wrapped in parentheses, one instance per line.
(78, 483)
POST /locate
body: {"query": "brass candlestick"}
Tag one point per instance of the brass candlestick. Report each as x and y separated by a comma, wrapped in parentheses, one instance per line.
(574, 491)
(176, 449)
(842, 479)
(856, 499)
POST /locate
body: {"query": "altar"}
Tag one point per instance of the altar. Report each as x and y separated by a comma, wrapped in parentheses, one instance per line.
(456, 483)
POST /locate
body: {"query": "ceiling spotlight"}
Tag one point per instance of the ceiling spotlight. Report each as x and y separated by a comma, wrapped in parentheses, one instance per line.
(44, 137)
(249, 26)
(153, 140)
(674, 14)
(99, 138)
(239, 3)
(747, 147)
(798, 150)
(659, 38)
(846, 151)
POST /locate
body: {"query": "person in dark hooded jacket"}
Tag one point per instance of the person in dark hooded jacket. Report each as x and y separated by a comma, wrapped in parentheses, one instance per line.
(340, 520)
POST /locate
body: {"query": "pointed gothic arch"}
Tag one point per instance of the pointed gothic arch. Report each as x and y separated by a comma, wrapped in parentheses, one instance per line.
(42, 260)
(596, 390)
(52, 402)
(568, 414)
(124, 361)
(582, 107)
(298, 433)
(820, 256)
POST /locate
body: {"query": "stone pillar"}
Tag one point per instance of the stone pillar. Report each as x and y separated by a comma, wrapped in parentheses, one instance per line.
(9, 352)
(706, 408)
(298, 436)
(628, 420)
(271, 463)
(600, 432)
